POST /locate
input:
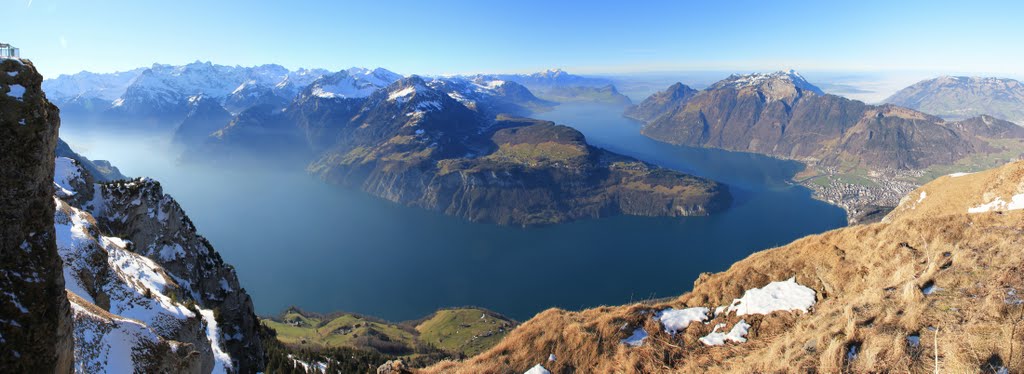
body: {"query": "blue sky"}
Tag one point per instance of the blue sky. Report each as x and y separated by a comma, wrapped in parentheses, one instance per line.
(438, 37)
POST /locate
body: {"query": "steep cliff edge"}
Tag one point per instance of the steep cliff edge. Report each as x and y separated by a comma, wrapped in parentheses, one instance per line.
(35, 318)
(99, 273)
(937, 283)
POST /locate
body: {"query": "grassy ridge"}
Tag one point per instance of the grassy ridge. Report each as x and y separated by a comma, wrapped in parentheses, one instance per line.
(455, 332)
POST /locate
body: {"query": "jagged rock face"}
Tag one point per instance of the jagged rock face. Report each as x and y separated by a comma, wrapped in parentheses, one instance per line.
(660, 102)
(957, 98)
(35, 318)
(938, 283)
(127, 317)
(784, 116)
(205, 116)
(140, 212)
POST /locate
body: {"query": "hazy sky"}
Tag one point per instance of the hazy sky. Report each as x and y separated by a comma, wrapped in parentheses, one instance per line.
(437, 37)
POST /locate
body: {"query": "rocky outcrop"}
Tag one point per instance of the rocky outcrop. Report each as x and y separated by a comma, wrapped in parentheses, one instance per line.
(935, 287)
(35, 318)
(138, 211)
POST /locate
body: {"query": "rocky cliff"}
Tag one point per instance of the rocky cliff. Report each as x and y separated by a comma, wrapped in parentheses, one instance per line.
(101, 273)
(35, 318)
(935, 287)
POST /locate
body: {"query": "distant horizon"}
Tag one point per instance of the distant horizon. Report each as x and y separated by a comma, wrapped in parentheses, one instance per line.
(575, 71)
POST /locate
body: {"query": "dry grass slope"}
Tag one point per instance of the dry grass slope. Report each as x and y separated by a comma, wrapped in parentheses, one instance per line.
(869, 283)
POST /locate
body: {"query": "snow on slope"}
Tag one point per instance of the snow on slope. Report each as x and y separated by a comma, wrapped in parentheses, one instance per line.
(353, 83)
(125, 305)
(776, 296)
(65, 171)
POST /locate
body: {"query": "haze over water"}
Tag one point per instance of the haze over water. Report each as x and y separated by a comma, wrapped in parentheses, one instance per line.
(297, 241)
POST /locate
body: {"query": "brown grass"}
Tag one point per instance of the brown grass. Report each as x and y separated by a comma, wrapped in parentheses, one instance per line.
(868, 281)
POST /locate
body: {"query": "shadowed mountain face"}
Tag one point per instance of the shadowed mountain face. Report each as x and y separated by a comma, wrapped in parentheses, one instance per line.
(957, 98)
(35, 313)
(782, 115)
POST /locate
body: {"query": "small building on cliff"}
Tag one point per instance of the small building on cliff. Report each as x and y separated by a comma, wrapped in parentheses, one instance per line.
(8, 51)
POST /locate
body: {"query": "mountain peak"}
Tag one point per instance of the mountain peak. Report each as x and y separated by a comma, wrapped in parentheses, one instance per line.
(774, 85)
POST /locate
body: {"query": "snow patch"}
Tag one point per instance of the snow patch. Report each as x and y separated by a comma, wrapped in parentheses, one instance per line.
(998, 204)
(537, 370)
(17, 91)
(776, 296)
(958, 175)
(921, 198)
(171, 252)
(402, 93)
(637, 339)
(64, 172)
(675, 320)
(737, 334)
(223, 361)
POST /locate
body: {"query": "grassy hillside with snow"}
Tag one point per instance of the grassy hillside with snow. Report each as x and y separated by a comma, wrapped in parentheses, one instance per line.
(937, 283)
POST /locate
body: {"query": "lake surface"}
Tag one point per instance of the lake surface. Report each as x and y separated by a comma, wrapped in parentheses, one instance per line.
(296, 241)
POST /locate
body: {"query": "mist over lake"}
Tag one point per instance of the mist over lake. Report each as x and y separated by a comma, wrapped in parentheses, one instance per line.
(297, 241)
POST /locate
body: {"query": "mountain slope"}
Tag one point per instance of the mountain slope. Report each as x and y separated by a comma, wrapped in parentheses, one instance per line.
(859, 156)
(418, 146)
(958, 98)
(935, 283)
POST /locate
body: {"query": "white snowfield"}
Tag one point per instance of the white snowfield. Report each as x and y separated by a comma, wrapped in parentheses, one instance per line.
(675, 320)
(998, 204)
(737, 334)
(786, 295)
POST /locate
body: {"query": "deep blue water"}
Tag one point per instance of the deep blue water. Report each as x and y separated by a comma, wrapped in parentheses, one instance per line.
(296, 241)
